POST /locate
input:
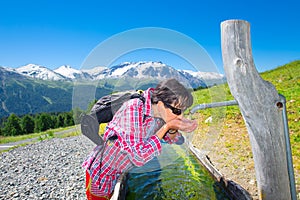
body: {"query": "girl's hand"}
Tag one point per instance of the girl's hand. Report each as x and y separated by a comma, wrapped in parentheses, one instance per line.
(182, 124)
(177, 124)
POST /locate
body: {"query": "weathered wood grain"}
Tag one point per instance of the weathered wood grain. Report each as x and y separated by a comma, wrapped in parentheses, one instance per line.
(258, 102)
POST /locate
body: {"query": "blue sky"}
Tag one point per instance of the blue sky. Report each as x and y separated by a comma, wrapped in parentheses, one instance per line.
(55, 33)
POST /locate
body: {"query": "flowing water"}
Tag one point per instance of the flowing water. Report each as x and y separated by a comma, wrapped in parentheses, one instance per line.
(175, 174)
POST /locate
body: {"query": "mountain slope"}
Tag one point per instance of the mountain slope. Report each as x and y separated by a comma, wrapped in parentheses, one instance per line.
(159, 70)
(71, 73)
(21, 95)
(34, 89)
(39, 72)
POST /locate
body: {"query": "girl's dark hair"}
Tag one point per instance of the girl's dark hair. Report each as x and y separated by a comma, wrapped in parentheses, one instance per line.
(171, 91)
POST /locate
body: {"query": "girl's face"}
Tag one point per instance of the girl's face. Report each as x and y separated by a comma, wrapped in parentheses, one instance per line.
(169, 112)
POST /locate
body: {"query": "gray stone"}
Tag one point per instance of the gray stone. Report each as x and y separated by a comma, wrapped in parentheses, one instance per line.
(50, 169)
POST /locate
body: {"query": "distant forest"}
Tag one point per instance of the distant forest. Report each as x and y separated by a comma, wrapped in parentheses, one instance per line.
(35, 123)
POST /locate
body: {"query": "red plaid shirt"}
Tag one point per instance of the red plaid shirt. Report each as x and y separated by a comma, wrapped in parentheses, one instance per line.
(137, 144)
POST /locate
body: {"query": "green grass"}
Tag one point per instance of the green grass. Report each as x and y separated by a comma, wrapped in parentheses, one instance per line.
(36, 137)
(41, 136)
(70, 134)
(286, 79)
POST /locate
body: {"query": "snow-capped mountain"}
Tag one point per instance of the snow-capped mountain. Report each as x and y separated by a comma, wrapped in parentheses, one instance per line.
(161, 70)
(95, 72)
(71, 73)
(39, 72)
(205, 75)
(210, 78)
(146, 70)
(139, 70)
(33, 96)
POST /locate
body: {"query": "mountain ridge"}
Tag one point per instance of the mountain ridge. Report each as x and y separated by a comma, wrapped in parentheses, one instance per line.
(142, 69)
(33, 89)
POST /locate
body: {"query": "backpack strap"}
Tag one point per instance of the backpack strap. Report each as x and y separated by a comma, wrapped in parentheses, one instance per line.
(142, 98)
(138, 95)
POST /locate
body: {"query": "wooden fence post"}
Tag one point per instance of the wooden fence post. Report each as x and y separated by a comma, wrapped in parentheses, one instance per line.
(258, 102)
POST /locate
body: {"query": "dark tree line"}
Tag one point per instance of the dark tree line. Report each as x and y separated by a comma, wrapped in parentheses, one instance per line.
(15, 125)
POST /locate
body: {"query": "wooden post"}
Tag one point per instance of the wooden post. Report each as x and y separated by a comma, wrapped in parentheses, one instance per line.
(258, 101)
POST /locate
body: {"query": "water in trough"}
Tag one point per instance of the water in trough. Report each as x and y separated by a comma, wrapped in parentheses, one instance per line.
(175, 174)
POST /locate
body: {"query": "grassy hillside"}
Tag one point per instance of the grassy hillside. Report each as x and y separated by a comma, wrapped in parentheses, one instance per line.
(286, 79)
(21, 95)
(226, 139)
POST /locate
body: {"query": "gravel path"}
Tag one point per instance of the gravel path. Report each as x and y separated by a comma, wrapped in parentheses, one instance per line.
(49, 169)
